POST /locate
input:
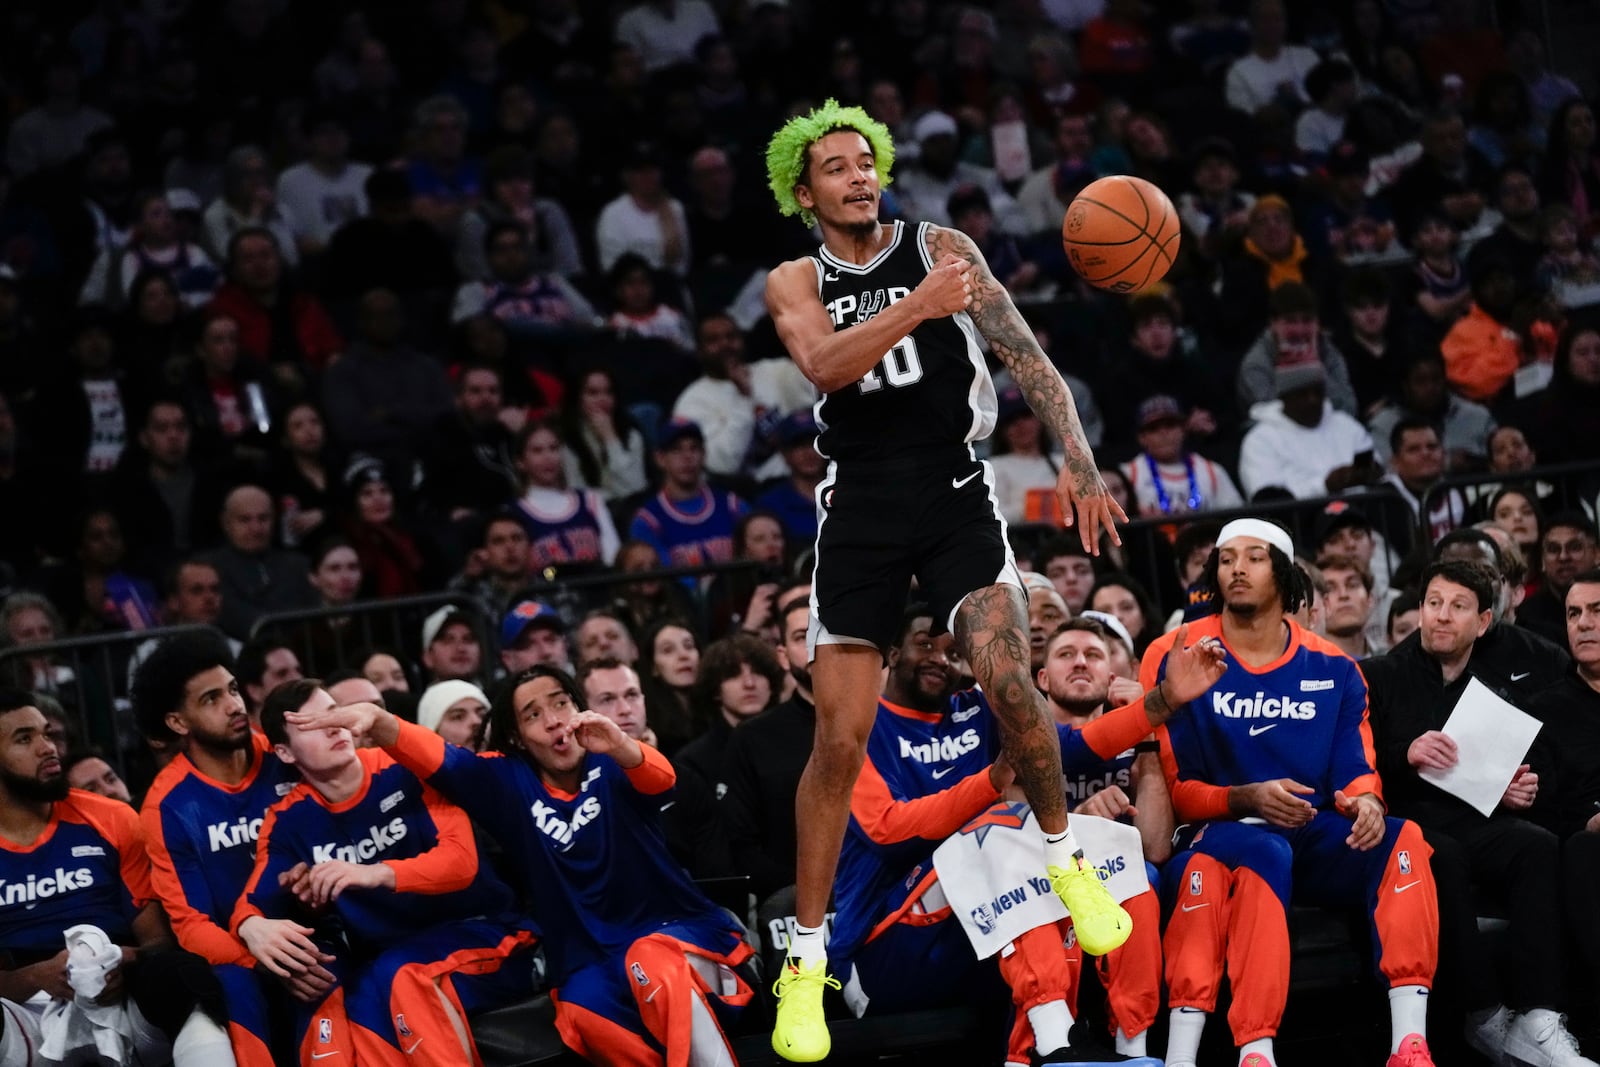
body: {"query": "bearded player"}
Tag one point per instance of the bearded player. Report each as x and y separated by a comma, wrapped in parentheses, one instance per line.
(885, 321)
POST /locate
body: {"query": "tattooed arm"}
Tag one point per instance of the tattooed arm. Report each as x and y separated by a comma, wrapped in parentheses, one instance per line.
(1079, 486)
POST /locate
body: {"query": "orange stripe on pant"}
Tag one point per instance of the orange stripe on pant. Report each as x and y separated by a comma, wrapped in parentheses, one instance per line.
(1044, 965)
(1132, 973)
(329, 1033)
(418, 996)
(1234, 916)
(248, 1049)
(1406, 915)
(666, 998)
(599, 1040)
(664, 986)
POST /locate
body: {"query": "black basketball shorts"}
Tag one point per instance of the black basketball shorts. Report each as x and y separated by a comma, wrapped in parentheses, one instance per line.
(879, 524)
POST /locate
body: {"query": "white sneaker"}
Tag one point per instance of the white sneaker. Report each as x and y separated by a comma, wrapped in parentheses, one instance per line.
(1487, 1036)
(1539, 1038)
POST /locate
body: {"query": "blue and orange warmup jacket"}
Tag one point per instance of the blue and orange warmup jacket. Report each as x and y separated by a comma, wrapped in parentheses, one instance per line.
(927, 774)
(1302, 716)
(89, 866)
(595, 861)
(201, 835)
(393, 819)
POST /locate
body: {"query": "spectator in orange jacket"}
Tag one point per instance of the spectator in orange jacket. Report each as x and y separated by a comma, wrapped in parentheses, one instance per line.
(1482, 351)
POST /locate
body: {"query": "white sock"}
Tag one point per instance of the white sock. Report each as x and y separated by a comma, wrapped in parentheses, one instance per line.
(1408, 1013)
(1261, 1045)
(1130, 1046)
(1051, 1022)
(807, 945)
(1184, 1027)
(1060, 848)
(202, 1043)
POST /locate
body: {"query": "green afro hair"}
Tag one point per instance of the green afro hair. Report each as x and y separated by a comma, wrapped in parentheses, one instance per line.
(786, 153)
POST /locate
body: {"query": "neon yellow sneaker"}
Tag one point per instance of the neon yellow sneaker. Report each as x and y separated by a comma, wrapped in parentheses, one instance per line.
(1099, 921)
(800, 1032)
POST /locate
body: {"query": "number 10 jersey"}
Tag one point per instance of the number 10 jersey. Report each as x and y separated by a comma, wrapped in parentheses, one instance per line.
(931, 390)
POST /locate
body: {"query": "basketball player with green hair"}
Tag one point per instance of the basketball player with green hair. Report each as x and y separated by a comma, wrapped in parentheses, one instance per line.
(885, 321)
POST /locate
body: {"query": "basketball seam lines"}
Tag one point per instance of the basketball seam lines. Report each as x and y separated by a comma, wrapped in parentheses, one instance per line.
(1159, 246)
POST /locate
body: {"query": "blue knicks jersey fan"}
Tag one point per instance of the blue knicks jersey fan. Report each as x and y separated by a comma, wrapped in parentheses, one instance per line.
(931, 389)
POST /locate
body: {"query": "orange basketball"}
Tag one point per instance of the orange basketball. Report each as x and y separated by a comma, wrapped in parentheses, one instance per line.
(1121, 234)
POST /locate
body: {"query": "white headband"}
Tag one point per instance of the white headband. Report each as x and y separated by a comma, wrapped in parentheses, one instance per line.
(1112, 623)
(1261, 530)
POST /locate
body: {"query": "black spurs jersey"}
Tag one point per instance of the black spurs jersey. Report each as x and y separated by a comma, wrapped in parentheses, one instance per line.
(931, 389)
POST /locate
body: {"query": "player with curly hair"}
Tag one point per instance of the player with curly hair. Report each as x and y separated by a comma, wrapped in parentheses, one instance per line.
(885, 321)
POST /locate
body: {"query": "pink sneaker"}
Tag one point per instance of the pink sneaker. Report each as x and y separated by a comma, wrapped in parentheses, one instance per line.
(1413, 1053)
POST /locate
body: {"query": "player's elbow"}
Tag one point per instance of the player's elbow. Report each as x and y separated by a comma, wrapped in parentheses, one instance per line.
(816, 371)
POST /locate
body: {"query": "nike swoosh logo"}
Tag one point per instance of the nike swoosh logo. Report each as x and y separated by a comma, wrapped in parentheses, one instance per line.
(940, 774)
(1520, 677)
(959, 482)
(1195, 907)
(322, 1055)
(830, 277)
(1408, 885)
(652, 995)
(1255, 730)
(413, 1048)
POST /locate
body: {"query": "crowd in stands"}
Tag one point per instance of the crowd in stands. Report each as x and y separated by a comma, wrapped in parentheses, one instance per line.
(305, 307)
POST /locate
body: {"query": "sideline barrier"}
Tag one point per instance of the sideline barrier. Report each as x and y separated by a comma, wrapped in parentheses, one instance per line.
(89, 675)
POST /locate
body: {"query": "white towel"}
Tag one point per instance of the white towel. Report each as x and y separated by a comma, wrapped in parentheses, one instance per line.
(992, 872)
(70, 1025)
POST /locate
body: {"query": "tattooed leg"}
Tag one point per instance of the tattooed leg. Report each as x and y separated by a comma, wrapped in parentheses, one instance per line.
(992, 633)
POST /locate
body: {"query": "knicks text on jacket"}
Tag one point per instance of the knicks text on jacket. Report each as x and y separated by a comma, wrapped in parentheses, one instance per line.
(51, 885)
(942, 750)
(378, 839)
(1261, 706)
(559, 830)
(222, 835)
(1084, 786)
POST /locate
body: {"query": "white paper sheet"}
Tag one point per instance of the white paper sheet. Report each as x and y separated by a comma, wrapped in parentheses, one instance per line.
(1492, 737)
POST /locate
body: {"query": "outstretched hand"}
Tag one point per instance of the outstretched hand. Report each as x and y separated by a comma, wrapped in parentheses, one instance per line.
(1191, 670)
(1086, 502)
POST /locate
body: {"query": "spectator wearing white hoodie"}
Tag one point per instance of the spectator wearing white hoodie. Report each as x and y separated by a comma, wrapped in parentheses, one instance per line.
(1301, 443)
